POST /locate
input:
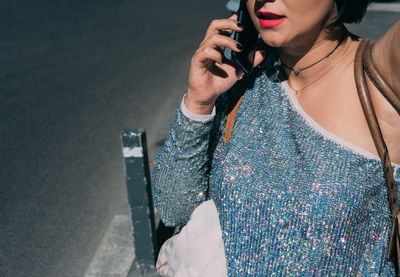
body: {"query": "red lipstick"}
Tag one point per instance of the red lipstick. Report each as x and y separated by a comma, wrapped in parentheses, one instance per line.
(269, 19)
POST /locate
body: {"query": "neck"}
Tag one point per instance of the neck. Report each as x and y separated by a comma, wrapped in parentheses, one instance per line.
(309, 50)
(312, 56)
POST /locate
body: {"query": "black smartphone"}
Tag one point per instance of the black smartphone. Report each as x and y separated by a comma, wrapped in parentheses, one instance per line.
(248, 38)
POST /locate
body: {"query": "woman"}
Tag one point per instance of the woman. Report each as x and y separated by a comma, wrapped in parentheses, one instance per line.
(298, 187)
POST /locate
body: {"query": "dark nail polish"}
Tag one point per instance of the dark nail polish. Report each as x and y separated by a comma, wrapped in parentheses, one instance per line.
(239, 46)
(240, 25)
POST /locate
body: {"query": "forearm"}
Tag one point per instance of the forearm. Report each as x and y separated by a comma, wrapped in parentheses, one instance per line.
(386, 56)
(180, 176)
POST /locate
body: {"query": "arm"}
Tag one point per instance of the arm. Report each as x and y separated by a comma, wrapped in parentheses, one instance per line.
(386, 56)
(181, 173)
(180, 176)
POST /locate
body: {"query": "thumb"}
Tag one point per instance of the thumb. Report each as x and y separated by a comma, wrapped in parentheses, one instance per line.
(259, 57)
(233, 16)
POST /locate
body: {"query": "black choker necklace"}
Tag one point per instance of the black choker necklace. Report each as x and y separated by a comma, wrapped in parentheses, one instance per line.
(297, 71)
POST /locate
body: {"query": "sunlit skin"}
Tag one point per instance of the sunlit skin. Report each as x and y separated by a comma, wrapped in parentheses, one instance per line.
(304, 36)
(304, 27)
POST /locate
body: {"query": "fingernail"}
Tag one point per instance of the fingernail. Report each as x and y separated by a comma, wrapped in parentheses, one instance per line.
(240, 25)
(239, 46)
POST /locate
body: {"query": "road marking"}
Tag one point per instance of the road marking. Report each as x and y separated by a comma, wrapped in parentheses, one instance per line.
(115, 254)
(385, 7)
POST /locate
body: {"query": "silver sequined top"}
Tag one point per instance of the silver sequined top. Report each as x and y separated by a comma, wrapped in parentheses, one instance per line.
(293, 199)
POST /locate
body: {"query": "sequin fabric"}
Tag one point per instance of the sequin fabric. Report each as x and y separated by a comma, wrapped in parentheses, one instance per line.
(291, 200)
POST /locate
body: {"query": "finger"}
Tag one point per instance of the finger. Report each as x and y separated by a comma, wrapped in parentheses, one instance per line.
(259, 57)
(207, 54)
(226, 33)
(222, 25)
(239, 73)
(218, 71)
(221, 42)
(233, 16)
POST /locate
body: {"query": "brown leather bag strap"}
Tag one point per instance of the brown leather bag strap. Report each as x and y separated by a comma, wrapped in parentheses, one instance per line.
(381, 147)
(373, 124)
(236, 99)
(230, 121)
(377, 79)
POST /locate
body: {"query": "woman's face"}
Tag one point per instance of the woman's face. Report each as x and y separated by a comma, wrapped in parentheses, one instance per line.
(291, 22)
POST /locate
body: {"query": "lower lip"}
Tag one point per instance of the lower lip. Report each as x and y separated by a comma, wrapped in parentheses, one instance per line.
(270, 23)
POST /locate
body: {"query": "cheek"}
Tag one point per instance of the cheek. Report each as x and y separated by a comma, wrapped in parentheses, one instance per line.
(303, 19)
(310, 13)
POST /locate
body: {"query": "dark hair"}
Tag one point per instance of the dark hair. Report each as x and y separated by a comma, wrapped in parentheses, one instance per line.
(351, 11)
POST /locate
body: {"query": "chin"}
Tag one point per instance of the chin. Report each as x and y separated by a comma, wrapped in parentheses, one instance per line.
(273, 38)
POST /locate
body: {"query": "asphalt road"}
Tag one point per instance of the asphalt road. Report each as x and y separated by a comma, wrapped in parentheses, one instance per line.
(73, 75)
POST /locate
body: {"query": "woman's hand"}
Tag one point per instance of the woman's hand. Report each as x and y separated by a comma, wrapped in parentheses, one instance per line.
(209, 76)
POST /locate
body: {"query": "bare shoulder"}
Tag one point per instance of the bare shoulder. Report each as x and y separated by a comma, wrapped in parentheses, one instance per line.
(386, 55)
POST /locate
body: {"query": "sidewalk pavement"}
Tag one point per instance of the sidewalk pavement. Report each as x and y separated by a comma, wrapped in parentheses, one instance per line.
(393, 6)
(116, 254)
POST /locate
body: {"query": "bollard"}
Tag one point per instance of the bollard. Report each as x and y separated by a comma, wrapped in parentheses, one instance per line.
(140, 199)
